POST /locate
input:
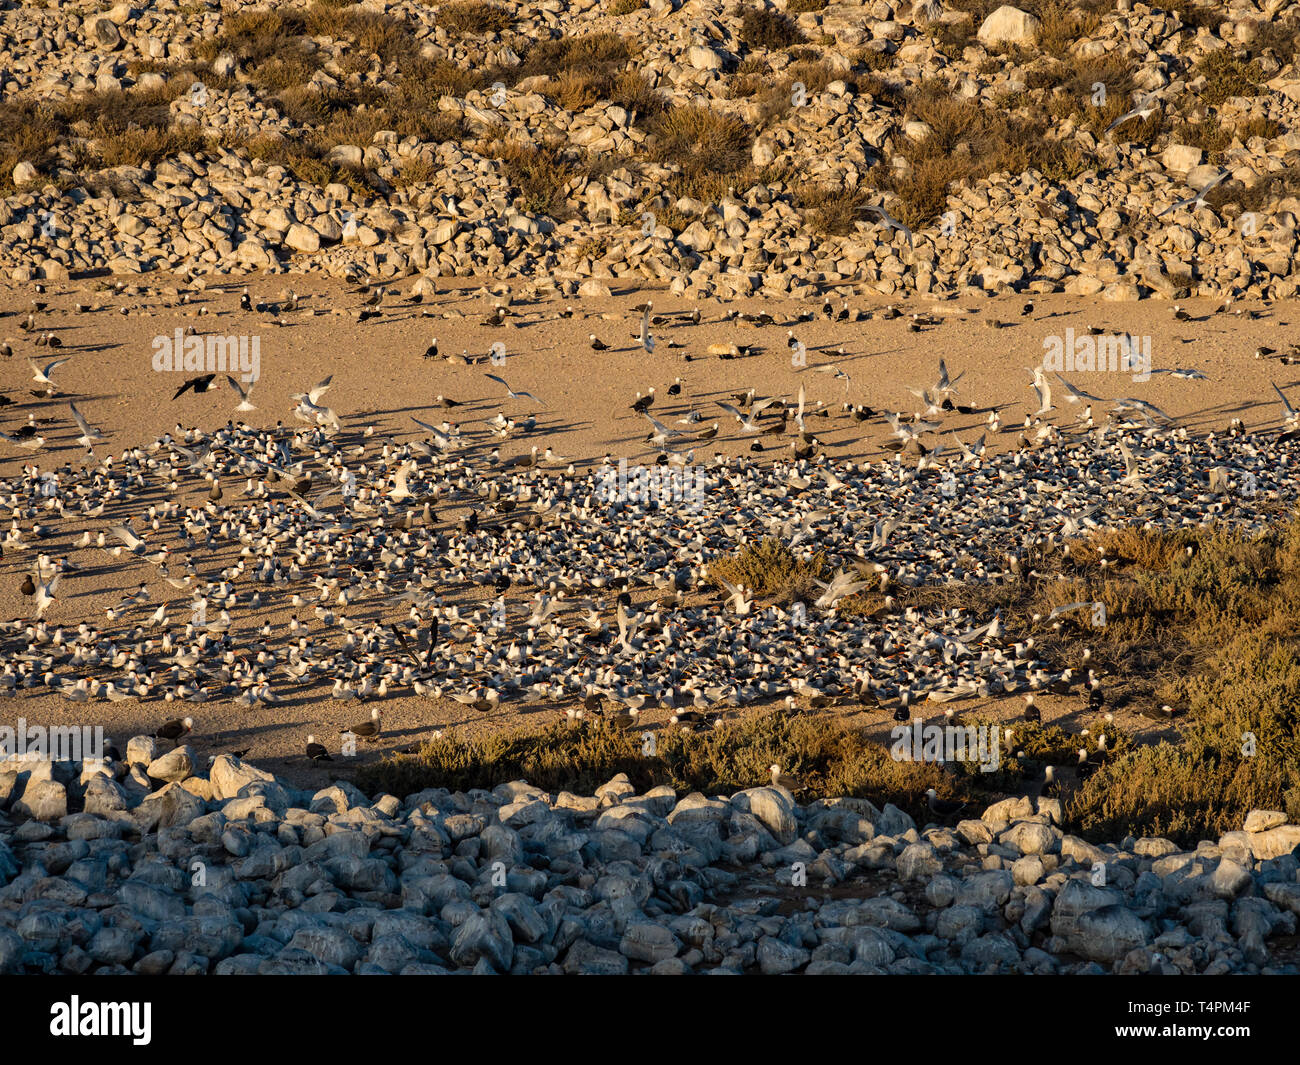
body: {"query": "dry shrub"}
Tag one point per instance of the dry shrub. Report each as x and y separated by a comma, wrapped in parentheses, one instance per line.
(770, 568)
(968, 141)
(766, 28)
(541, 173)
(700, 141)
(1227, 74)
(828, 759)
(472, 17)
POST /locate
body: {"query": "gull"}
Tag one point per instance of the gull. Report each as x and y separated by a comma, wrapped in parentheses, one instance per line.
(1145, 107)
(367, 730)
(243, 393)
(42, 376)
(175, 729)
(199, 384)
(510, 392)
(890, 221)
(89, 434)
(784, 780)
(942, 807)
(31, 443)
(316, 752)
(1197, 199)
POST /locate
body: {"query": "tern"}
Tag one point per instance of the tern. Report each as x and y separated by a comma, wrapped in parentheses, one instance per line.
(890, 221)
(1144, 108)
(89, 434)
(510, 392)
(1197, 199)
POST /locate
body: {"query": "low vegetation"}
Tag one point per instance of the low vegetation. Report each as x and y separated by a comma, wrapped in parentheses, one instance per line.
(1206, 623)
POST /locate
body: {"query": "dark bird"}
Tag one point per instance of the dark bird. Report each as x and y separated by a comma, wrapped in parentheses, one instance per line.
(1084, 769)
(942, 807)
(367, 730)
(1032, 713)
(174, 730)
(316, 751)
(245, 301)
(199, 384)
(431, 352)
(28, 586)
(597, 344)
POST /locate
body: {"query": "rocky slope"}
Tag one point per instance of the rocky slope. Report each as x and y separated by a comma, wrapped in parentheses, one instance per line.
(161, 870)
(721, 150)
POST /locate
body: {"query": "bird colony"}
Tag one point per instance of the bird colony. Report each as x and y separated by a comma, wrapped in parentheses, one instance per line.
(329, 565)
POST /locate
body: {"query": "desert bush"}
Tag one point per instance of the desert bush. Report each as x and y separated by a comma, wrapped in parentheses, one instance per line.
(700, 141)
(829, 759)
(762, 27)
(771, 568)
(1227, 74)
(472, 17)
(541, 174)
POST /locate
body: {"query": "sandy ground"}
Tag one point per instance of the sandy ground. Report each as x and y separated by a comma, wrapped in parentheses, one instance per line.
(381, 379)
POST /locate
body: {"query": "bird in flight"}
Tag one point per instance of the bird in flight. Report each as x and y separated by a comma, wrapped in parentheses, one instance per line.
(89, 434)
(510, 392)
(199, 384)
(891, 222)
(1197, 199)
(1144, 108)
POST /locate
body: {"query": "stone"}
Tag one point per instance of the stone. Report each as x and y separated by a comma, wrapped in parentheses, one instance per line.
(1263, 820)
(175, 765)
(1010, 25)
(1180, 158)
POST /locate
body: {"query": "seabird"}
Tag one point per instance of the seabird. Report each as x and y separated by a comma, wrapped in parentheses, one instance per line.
(175, 729)
(942, 807)
(316, 752)
(367, 730)
(200, 385)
